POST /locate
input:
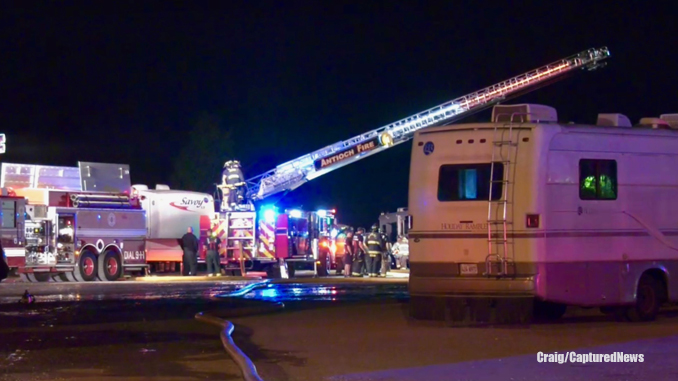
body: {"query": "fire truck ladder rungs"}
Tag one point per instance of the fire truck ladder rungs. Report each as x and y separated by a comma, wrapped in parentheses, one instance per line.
(502, 138)
(291, 175)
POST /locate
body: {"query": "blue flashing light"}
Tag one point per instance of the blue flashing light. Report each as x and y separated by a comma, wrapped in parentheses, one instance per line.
(98, 216)
(322, 213)
(295, 213)
(269, 213)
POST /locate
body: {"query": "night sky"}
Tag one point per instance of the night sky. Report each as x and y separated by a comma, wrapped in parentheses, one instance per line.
(124, 83)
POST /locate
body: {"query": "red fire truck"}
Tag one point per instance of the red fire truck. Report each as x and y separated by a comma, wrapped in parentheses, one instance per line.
(266, 240)
(13, 212)
(84, 236)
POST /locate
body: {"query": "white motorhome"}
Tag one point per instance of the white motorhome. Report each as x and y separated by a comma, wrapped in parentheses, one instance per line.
(527, 215)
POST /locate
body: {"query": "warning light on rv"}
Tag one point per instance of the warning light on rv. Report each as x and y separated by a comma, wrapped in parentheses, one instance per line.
(295, 213)
(322, 213)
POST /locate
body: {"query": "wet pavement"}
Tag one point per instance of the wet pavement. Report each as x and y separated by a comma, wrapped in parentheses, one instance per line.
(331, 329)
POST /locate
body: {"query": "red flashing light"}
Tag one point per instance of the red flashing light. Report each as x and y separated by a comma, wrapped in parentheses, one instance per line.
(532, 221)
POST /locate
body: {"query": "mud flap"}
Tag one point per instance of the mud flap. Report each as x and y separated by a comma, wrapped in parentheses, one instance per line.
(473, 310)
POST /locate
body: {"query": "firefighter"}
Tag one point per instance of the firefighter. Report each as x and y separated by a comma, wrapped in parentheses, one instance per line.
(233, 180)
(339, 247)
(375, 247)
(190, 246)
(359, 251)
(212, 245)
(348, 252)
(385, 254)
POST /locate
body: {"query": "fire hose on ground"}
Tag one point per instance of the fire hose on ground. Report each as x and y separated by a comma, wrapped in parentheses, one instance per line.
(247, 367)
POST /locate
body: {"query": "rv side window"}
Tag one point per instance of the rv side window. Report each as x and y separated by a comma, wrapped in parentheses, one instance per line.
(8, 214)
(597, 179)
(467, 182)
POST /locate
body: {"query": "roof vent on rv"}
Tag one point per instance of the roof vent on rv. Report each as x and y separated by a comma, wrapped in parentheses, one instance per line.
(613, 120)
(140, 187)
(671, 119)
(162, 187)
(524, 113)
(653, 123)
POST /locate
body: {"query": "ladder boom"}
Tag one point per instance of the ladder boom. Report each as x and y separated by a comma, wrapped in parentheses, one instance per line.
(292, 174)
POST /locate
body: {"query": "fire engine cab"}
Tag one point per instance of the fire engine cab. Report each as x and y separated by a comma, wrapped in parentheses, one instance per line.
(12, 216)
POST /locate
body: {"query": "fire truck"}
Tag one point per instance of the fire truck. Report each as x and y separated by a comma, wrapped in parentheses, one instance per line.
(395, 224)
(12, 213)
(293, 174)
(168, 213)
(267, 240)
(83, 236)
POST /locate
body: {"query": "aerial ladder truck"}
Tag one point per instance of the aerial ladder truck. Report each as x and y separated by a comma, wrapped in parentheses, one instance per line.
(292, 174)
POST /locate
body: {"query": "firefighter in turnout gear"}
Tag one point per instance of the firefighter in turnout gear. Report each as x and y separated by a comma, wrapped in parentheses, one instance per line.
(212, 245)
(233, 184)
(385, 254)
(359, 253)
(375, 247)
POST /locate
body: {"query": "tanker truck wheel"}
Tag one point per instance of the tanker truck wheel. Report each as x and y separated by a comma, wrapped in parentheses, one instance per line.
(110, 266)
(87, 267)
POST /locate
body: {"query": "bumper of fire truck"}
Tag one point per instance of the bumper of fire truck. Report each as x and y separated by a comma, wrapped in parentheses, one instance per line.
(259, 263)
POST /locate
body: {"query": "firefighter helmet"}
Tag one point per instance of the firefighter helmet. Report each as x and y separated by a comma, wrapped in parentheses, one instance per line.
(375, 227)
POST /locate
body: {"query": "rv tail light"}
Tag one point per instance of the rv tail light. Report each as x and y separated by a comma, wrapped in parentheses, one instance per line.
(532, 221)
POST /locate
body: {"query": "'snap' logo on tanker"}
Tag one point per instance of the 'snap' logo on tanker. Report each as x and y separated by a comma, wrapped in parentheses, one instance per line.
(188, 203)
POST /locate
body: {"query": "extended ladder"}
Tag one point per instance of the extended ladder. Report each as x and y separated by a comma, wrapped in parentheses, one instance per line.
(292, 174)
(497, 210)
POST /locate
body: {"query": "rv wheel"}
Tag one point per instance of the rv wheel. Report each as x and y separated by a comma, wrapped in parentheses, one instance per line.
(648, 300)
(87, 267)
(548, 311)
(110, 267)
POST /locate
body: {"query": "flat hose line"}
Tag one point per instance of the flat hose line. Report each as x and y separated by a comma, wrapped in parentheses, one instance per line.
(247, 367)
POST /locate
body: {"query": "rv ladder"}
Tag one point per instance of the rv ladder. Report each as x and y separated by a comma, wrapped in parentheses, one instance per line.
(497, 209)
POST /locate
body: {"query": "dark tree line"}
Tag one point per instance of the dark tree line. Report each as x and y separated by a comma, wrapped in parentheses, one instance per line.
(207, 147)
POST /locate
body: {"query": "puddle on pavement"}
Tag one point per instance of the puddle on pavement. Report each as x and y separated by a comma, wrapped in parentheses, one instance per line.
(316, 292)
